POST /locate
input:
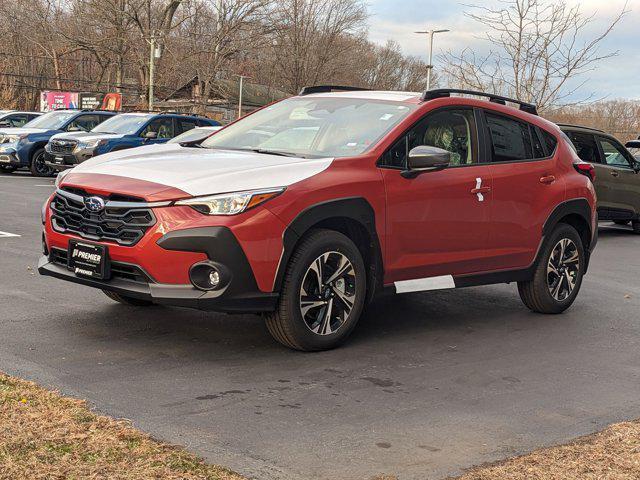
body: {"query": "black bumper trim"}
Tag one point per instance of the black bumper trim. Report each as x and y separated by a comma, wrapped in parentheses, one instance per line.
(173, 295)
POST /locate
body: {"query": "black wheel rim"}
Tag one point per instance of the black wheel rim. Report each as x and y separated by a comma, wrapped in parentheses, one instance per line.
(328, 293)
(563, 269)
(41, 167)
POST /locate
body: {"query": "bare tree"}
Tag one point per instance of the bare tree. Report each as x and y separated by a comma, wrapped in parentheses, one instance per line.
(538, 48)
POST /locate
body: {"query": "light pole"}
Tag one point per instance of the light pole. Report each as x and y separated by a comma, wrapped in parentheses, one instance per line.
(431, 33)
(242, 77)
(155, 52)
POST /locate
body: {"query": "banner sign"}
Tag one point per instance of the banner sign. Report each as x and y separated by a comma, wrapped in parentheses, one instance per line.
(54, 100)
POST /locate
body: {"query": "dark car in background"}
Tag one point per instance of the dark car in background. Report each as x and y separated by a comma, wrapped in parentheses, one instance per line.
(14, 118)
(127, 130)
(617, 174)
(24, 146)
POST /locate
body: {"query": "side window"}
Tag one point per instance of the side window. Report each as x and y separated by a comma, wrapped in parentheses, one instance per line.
(85, 122)
(586, 146)
(17, 120)
(550, 142)
(538, 146)
(163, 127)
(452, 130)
(614, 154)
(510, 139)
(186, 124)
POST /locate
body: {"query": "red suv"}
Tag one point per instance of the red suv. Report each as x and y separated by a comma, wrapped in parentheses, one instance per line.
(305, 209)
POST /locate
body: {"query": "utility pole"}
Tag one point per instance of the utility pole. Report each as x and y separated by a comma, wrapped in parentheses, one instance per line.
(431, 33)
(242, 77)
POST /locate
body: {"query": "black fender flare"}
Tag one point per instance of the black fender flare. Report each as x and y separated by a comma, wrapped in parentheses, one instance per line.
(357, 209)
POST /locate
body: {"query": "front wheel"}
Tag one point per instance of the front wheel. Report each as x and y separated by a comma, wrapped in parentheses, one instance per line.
(38, 167)
(323, 293)
(558, 275)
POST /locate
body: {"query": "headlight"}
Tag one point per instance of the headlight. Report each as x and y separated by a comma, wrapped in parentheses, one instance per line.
(60, 176)
(15, 138)
(90, 144)
(230, 203)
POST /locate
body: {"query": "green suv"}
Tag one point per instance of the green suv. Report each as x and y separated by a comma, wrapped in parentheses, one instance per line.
(617, 174)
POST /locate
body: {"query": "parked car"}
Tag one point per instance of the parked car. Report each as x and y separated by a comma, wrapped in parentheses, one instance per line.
(196, 135)
(617, 174)
(354, 191)
(124, 131)
(634, 147)
(24, 147)
(14, 118)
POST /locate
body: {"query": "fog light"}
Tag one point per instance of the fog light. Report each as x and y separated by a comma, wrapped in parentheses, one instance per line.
(208, 276)
(214, 278)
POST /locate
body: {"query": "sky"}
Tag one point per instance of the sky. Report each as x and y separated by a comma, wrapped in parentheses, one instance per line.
(617, 77)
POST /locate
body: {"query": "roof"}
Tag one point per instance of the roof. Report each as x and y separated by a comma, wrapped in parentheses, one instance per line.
(371, 95)
(568, 126)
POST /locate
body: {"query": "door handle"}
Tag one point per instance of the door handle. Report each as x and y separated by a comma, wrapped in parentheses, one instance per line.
(476, 191)
(547, 179)
(614, 173)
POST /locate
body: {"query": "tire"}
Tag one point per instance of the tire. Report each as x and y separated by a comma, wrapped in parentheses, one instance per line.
(310, 330)
(7, 170)
(636, 226)
(537, 294)
(126, 300)
(37, 166)
(621, 222)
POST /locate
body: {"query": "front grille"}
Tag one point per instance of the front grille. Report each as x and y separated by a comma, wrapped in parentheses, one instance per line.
(62, 146)
(124, 226)
(125, 271)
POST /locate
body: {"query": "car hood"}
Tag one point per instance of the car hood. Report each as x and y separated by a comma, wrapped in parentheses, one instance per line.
(23, 131)
(86, 136)
(183, 171)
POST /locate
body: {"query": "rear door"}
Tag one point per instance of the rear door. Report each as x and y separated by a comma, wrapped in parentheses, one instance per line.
(588, 150)
(623, 183)
(437, 226)
(526, 189)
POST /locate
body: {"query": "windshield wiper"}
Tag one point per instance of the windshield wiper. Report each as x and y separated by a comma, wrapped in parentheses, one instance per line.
(273, 152)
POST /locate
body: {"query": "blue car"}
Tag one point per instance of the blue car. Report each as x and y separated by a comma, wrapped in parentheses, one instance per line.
(24, 146)
(127, 130)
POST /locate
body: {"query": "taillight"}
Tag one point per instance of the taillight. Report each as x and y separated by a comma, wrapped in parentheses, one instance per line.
(587, 169)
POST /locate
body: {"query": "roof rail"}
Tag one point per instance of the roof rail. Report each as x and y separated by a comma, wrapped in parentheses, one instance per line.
(582, 127)
(329, 89)
(446, 92)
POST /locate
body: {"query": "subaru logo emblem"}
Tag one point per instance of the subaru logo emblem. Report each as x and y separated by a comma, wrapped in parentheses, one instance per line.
(94, 204)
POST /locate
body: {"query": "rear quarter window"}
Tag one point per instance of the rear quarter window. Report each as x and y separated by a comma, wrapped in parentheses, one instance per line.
(510, 139)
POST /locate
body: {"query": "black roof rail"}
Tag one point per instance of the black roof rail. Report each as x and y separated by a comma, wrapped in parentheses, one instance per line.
(330, 88)
(446, 92)
(581, 127)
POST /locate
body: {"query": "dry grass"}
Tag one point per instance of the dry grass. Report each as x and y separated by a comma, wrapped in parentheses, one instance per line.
(46, 436)
(613, 454)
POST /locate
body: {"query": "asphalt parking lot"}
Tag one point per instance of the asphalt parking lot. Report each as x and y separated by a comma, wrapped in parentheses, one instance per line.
(428, 385)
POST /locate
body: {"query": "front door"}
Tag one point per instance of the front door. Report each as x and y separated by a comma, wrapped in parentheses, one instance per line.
(437, 222)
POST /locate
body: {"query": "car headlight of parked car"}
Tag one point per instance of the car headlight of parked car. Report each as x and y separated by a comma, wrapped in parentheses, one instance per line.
(15, 139)
(230, 203)
(90, 145)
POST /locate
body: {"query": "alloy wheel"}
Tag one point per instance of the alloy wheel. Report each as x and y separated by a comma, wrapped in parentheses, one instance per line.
(563, 269)
(328, 293)
(40, 166)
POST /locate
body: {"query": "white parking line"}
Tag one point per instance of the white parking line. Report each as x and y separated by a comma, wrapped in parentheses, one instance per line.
(7, 235)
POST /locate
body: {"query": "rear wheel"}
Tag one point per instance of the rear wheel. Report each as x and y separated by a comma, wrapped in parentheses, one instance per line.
(38, 167)
(323, 293)
(126, 300)
(558, 275)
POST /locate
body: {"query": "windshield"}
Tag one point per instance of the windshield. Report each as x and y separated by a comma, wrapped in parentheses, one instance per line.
(126, 124)
(51, 120)
(313, 127)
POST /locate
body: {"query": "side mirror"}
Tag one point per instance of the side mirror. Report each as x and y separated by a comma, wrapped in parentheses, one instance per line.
(74, 129)
(151, 135)
(426, 159)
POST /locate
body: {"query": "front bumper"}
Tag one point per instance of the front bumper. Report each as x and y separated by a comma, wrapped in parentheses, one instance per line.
(65, 161)
(240, 293)
(9, 157)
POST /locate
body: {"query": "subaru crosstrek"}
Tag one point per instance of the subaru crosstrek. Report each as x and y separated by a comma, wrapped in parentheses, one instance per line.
(128, 130)
(24, 147)
(305, 209)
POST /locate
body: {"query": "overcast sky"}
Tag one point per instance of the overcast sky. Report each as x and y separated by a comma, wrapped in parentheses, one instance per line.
(614, 78)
